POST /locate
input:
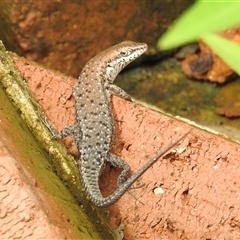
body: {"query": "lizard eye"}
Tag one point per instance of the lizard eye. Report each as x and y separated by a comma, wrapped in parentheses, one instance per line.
(125, 53)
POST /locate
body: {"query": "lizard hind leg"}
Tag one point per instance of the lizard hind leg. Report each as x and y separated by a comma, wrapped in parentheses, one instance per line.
(118, 162)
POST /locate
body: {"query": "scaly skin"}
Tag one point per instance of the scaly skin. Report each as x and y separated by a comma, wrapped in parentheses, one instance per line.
(94, 130)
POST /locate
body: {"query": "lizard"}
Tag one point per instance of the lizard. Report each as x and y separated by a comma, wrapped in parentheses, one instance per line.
(94, 129)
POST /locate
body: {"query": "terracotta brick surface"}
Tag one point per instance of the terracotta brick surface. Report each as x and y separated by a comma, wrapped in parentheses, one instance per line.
(65, 34)
(22, 215)
(192, 193)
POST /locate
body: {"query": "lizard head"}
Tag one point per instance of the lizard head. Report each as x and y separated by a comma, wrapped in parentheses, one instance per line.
(119, 56)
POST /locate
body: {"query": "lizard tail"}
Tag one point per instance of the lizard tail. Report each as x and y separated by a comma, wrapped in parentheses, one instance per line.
(101, 201)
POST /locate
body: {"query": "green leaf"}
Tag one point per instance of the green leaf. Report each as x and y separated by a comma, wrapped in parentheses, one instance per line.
(203, 17)
(227, 50)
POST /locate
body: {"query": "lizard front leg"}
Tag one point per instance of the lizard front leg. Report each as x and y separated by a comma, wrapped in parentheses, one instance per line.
(74, 129)
(114, 89)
